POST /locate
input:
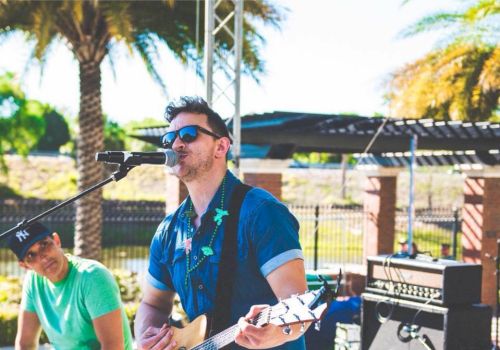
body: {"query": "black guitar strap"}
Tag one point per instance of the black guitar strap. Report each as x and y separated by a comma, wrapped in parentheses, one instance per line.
(225, 279)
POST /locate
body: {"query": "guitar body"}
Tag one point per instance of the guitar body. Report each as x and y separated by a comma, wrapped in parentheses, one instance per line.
(191, 335)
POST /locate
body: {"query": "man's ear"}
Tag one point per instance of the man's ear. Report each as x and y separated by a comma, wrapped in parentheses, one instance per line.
(223, 145)
(24, 265)
(56, 239)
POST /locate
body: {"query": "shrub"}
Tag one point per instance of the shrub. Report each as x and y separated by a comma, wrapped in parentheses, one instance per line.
(10, 290)
(128, 284)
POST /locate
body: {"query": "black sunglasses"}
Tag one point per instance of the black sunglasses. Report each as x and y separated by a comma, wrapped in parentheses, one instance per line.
(187, 134)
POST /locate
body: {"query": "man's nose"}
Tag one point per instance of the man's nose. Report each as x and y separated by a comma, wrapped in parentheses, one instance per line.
(178, 144)
(43, 254)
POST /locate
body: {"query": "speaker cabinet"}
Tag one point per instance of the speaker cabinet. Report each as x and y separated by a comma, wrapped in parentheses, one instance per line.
(395, 324)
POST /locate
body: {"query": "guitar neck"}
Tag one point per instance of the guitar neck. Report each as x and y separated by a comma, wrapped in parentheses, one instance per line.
(228, 335)
(308, 307)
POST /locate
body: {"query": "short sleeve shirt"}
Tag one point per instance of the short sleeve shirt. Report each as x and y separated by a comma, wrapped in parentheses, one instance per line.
(267, 239)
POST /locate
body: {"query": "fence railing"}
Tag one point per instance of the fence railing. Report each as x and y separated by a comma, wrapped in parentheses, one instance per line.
(432, 228)
(329, 235)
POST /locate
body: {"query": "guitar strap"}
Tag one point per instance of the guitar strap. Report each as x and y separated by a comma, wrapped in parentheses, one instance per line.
(225, 280)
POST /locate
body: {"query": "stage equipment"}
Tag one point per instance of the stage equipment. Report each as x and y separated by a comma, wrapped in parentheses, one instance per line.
(425, 280)
(395, 324)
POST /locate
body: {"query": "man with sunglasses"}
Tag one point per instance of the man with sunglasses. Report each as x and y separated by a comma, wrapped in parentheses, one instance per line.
(186, 249)
(75, 301)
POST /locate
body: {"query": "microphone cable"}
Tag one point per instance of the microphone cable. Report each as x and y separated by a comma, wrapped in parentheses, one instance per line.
(388, 303)
(413, 329)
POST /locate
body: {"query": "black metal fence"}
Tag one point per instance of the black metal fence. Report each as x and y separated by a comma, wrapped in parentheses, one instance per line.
(330, 235)
(127, 230)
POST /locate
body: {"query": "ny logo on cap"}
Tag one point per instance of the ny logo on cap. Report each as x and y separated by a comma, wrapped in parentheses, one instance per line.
(22, 235)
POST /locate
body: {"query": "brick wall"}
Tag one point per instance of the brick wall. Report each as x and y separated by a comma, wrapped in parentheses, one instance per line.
(379, 203)
(481, 229)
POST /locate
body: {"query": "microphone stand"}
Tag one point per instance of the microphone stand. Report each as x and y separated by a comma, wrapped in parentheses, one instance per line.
(116, 176)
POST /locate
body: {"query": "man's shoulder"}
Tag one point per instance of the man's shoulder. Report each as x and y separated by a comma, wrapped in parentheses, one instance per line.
(88, 266)
(260, 199)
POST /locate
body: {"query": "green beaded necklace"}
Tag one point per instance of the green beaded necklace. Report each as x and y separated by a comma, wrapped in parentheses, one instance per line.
(206, 250)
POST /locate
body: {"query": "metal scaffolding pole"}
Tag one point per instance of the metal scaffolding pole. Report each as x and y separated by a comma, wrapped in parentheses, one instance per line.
(223, 66)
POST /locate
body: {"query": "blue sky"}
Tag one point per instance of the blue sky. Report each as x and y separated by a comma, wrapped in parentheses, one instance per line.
(331, 56)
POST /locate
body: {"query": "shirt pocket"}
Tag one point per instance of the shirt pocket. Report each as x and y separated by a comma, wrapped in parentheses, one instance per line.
(212, 270)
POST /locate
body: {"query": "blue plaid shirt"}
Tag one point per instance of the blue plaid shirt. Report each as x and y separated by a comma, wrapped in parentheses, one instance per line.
(267, 238)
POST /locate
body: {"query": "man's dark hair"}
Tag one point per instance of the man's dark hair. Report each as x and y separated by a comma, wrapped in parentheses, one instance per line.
(197, 105)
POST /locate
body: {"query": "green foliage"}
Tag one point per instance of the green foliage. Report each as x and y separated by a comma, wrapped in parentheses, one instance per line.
(128, 284)
(131, 127)
(56, 132)
(316, 157)
(114, 136)
(460, 79)
(8, 323)
(8, 192)
(141, 26)
(21, 122)
(93, 30)
(460, 82)
(477, 21)
(10, 290)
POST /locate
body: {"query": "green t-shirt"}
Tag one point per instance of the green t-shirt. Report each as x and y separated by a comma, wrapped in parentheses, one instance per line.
(66, 308)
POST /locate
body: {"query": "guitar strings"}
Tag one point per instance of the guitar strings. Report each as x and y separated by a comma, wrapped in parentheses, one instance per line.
(227, 336)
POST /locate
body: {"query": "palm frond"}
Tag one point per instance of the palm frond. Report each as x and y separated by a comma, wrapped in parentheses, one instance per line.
(119, 21)
(433, 22)
(448, 84)
(148, 52)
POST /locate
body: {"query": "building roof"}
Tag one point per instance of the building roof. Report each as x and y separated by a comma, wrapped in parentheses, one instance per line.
(280, 134)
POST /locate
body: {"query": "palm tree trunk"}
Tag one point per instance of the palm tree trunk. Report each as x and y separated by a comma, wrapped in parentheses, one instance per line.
(91, 140)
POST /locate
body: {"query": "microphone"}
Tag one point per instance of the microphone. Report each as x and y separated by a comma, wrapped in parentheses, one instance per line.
(168, 157)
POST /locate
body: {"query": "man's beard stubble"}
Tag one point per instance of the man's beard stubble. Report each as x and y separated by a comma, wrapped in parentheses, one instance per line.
(196, 171)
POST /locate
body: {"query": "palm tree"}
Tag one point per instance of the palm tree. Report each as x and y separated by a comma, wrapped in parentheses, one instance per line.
(460, 79)
(90, 29)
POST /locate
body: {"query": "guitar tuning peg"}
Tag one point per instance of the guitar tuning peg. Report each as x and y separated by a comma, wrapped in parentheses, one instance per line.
(317, 325)
(287, 330)
(302, 327)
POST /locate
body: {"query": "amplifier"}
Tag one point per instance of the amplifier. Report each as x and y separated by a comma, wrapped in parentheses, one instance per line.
(423, 279)
(395, 324)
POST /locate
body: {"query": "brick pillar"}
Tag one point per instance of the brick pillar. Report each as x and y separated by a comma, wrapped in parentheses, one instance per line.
(265, 173)
(268, 181)
(176, 192)
(481, 227)
(379, 203)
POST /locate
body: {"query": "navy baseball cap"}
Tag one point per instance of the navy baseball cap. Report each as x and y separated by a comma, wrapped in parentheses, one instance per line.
(22, 240)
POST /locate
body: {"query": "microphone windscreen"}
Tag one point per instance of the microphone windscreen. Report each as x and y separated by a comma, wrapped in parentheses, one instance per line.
(171, 158)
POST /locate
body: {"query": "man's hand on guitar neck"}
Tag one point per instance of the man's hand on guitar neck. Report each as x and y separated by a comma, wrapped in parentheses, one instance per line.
(151, 329)
(157, 339)
(269, 336)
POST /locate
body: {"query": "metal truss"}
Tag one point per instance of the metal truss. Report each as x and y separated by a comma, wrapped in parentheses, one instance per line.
(223, 63)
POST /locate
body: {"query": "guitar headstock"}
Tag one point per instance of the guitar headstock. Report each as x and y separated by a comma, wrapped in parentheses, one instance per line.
(307, 307)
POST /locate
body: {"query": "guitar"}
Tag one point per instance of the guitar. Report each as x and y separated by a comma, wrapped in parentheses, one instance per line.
(298, 309)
